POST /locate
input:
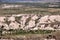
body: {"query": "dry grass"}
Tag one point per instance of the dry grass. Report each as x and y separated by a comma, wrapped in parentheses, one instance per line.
(30, 11)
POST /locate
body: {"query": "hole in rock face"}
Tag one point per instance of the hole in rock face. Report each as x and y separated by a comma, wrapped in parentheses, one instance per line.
(54, 37)
(0, 37)
(51, 37)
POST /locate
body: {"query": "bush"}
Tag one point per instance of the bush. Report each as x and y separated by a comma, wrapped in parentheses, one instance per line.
(33, 32)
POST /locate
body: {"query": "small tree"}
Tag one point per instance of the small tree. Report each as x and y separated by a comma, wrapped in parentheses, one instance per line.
(1, 30)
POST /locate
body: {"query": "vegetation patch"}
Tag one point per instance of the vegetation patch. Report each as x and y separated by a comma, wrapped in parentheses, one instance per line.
(24, 32)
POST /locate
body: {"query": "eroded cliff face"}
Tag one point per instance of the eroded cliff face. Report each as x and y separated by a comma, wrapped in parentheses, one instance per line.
(30, 22)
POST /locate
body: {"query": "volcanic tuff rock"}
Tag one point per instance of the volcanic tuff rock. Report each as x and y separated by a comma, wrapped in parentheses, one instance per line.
(30, 22)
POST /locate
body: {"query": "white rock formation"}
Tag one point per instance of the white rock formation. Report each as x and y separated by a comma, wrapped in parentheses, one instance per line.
(44, 19)
(2, 19)
(34, 17)
(23, 20)
(11, 6)
(30, 24)
(5, 26)
(54, 18)
(11, 18)
(14, 25)
(57, 18)
(1, 24)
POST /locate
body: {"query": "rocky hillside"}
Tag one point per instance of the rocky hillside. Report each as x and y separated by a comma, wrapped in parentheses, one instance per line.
(30, 22)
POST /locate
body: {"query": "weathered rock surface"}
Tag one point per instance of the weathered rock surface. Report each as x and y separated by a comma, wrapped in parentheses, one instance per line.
(30, 22)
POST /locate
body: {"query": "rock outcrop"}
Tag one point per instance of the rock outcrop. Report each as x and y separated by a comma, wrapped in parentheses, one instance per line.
(30, 22)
